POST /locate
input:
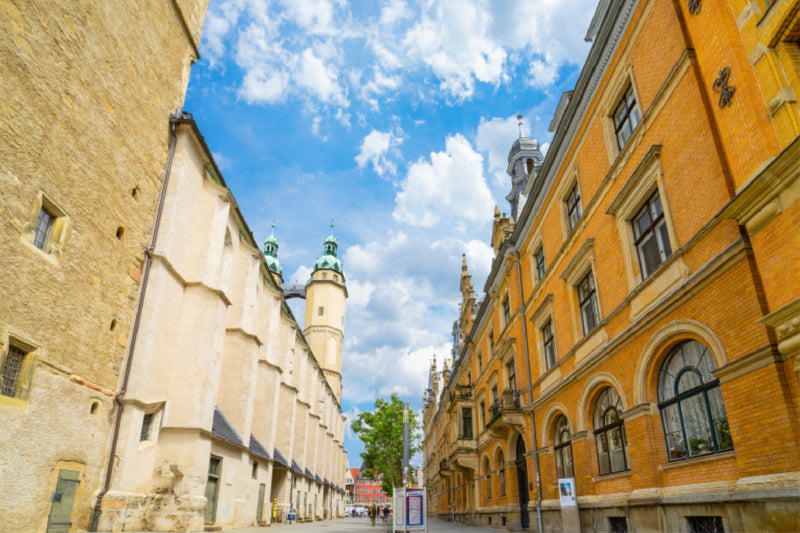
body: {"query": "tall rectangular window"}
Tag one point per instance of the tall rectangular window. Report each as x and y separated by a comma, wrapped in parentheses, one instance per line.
(506, 310)
(587, 298)
(540, 266)
(10, 374)
(147, 421)
(574, 207)
(491, 344)
(483, 414)
(626, 117)
(480, 362)
(466, 423)
(512, 377)
(549, 342)
(44, 223)
(650, 235)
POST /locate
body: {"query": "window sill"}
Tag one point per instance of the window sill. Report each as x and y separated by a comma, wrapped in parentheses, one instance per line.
(669, 275)
(610, 477)
(17, 403)
(694, 461)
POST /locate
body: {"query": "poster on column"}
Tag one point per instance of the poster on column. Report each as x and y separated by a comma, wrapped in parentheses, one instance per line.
(566, 491)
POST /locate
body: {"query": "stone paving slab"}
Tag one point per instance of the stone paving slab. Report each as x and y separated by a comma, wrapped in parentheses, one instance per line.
(354, 525)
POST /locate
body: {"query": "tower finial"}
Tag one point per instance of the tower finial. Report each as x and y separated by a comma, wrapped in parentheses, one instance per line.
(273, 227)
(331, 225)
(519, 118)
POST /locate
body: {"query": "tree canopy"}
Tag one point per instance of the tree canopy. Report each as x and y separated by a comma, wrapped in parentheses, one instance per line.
(381, 431)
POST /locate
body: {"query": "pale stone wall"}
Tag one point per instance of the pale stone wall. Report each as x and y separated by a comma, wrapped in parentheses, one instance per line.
(87, 89)
(213, 335)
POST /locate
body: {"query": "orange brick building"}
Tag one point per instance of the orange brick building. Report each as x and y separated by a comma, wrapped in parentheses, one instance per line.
(638, 341)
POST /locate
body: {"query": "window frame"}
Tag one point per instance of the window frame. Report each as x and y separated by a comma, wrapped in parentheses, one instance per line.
(48, 241)
(623, 121)
(562, 447)
(573, 205)
(549, 343)
(701, 391)
(604, 403)
(590, 298)
(656, 230)
(466, 415)
(539, 264)
(23, 375)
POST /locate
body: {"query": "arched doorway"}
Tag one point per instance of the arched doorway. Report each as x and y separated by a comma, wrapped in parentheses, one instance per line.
(522, 482)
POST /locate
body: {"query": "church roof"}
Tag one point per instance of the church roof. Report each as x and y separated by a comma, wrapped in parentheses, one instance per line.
(329, 260)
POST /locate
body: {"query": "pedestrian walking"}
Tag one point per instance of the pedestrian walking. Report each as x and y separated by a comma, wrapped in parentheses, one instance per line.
(373, 513)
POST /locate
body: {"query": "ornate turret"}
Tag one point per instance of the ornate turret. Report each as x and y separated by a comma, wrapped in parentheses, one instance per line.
(325, 305)
(524, 162)
(467, 300)
(271, 254)
(328, 260)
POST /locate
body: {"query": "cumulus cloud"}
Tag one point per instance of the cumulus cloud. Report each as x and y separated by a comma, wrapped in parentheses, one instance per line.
(326, 52)
(449, 184)
(380, 148)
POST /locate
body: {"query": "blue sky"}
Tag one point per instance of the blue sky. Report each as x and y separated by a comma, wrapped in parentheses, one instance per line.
(394, 118)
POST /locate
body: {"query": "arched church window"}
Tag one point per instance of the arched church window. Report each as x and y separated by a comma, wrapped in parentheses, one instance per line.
(690, 400)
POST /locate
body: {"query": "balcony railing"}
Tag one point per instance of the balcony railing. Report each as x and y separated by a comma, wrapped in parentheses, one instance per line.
(461, 392)
(510, 400)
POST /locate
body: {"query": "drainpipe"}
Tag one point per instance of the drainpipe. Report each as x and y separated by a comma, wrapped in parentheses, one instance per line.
(530, 389)
(126, 376)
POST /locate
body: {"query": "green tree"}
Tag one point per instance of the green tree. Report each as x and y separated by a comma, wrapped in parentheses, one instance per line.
(381, 431)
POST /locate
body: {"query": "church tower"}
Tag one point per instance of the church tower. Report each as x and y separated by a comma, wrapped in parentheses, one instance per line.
(271, 255)
(324, 324)
(524, 162)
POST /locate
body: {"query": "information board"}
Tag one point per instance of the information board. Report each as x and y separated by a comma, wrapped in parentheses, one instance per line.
(410, 510)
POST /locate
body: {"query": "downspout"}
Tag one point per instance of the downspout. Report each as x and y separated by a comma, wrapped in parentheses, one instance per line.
(137, 320)
(530, 390)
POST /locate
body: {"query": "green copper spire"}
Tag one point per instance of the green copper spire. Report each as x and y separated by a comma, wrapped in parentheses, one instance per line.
(271, 253)
(329, 261)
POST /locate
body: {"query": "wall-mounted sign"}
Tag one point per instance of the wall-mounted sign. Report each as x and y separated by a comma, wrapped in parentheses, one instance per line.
(566, 491)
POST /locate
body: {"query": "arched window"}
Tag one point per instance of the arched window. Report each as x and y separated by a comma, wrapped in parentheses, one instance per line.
(691, 404)
(487, 472)
(501, 467)
(563, 448)
(609, 433)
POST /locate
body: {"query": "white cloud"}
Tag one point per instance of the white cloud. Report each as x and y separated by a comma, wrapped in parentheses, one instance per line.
(450, 184)
(380, 149)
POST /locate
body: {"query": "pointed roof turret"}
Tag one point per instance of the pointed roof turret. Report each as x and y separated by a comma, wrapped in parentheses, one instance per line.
(271, 253)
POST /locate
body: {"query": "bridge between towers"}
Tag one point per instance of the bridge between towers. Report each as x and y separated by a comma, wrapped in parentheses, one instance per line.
(294, 291)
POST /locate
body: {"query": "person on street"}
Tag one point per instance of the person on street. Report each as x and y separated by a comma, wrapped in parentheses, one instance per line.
(373, 512)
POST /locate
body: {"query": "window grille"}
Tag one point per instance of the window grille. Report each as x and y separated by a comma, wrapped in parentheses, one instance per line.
(12, 368)
(705, 524)
(147, 421)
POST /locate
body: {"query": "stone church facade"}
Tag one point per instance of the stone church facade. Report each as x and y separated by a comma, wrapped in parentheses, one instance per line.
(121, 405)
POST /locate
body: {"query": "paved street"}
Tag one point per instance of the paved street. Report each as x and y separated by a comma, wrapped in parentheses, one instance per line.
(350, 525)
